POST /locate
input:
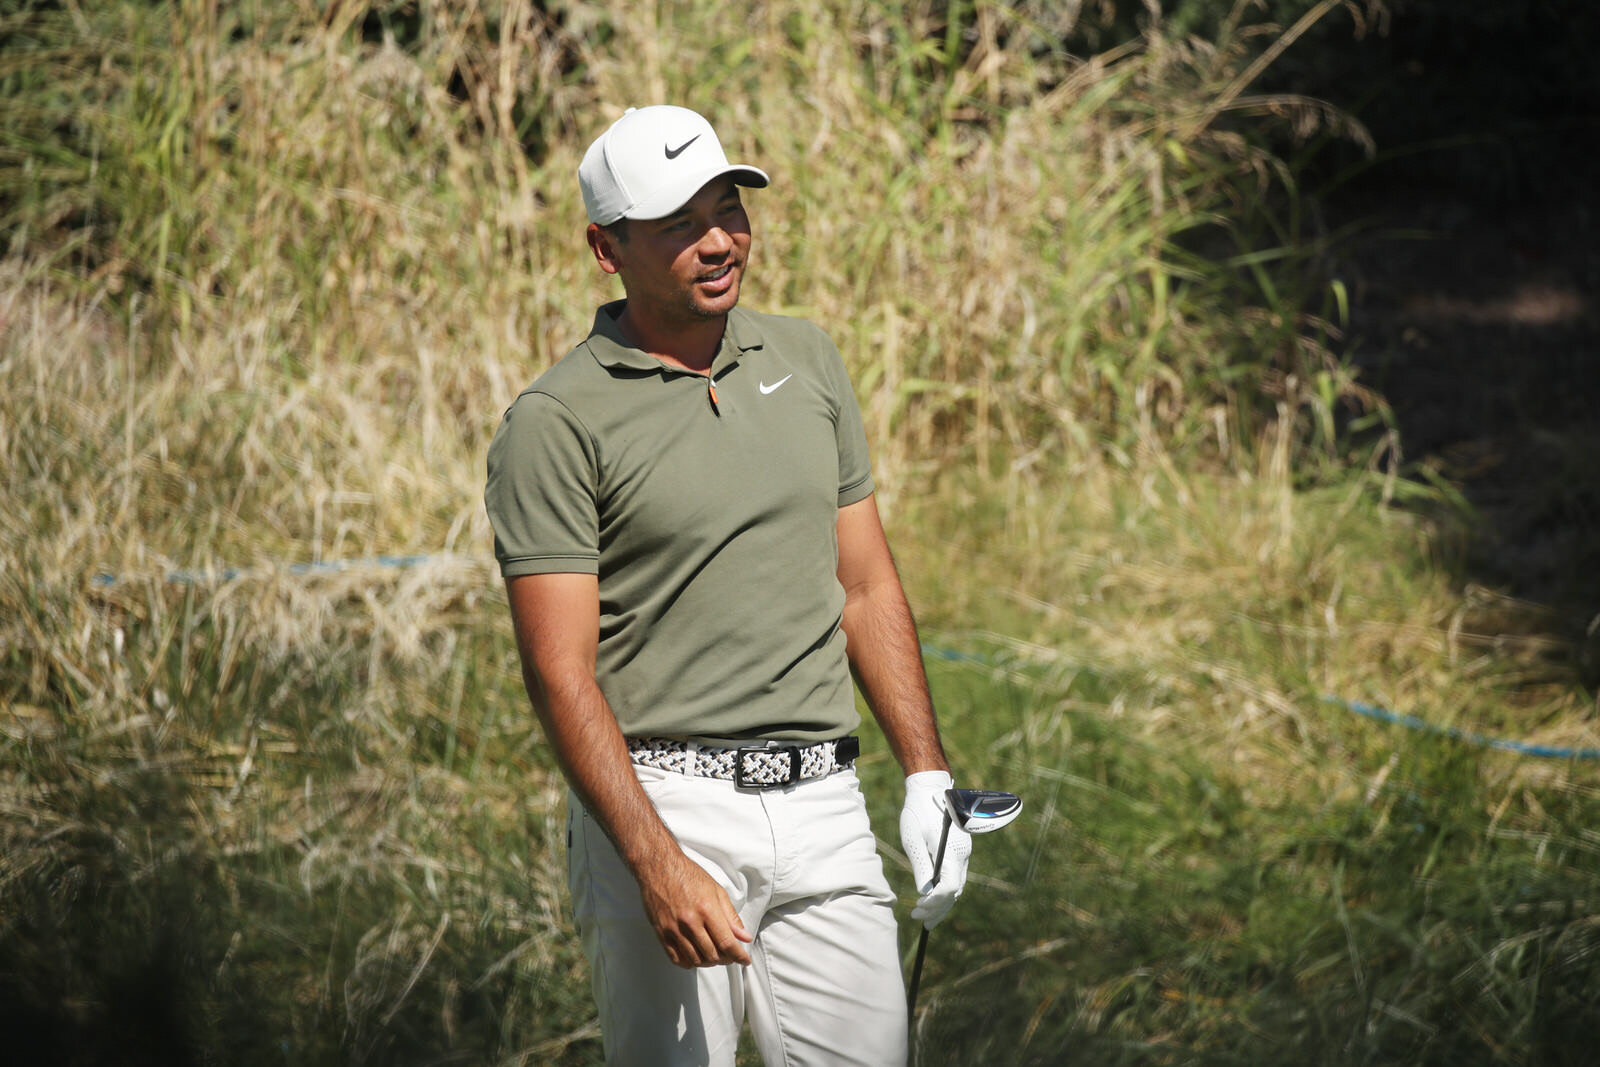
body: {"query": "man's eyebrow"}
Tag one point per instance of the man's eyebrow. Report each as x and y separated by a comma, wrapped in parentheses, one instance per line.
(683, 212)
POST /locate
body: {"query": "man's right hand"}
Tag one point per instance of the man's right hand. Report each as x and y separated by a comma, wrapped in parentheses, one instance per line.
(692, 916)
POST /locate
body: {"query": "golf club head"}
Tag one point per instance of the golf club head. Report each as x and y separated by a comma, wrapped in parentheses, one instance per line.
(981, 811)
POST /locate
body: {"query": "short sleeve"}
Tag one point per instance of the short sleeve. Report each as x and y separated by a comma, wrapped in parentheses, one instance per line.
(855, 466)
(541, 491)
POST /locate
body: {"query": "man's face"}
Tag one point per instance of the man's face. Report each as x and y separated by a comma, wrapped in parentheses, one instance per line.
(688, 265)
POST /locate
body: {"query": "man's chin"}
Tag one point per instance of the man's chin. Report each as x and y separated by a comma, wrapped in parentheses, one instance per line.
(717, 308)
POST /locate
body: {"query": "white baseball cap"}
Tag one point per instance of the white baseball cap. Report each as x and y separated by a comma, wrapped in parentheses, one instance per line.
(651, 161)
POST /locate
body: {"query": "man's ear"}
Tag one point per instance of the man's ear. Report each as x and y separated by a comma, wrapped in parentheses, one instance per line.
(604, 249)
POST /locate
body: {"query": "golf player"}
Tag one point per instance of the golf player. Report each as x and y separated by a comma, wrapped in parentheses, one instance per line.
(683, 512)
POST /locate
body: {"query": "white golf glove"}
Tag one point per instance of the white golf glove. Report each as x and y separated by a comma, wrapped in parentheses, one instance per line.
(921, 823)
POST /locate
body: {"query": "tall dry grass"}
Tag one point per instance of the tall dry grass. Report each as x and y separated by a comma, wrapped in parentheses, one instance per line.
(285, 272)
(986, 223)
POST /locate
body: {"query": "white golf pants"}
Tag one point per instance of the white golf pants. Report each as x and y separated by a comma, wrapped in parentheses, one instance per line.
(801, 867)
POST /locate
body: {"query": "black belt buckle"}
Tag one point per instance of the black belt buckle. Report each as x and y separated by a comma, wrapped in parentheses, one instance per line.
(741, 782)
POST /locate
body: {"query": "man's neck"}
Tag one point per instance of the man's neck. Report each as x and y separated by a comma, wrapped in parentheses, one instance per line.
(692, 345)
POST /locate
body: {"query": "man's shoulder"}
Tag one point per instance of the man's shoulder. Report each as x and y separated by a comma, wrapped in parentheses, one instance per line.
(578, 367)
(787, 330)
(570, 378)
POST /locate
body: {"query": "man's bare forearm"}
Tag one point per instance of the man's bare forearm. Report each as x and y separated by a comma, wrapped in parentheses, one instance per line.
(885, 655)
(886, 658)
(593, 754)
(692, 915)
(557, 624)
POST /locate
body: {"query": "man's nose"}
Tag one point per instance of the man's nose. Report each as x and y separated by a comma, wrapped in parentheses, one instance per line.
(716, 242)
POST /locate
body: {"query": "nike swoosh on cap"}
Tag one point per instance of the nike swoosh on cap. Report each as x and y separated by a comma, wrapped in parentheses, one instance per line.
(773, 388)
(674, 153)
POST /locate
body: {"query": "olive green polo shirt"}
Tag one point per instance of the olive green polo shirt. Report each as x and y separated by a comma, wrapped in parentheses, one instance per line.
(706, 506)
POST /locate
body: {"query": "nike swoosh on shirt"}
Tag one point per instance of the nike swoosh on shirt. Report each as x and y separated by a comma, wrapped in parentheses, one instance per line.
(674, 153)
(773, 388)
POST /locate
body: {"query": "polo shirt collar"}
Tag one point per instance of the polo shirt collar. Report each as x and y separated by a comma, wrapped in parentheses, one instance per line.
(612, 349)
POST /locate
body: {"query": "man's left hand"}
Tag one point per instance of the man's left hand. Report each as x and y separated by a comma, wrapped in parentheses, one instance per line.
(922, 823)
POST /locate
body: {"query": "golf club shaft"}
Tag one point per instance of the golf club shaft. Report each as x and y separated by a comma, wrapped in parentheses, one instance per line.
(922, 944)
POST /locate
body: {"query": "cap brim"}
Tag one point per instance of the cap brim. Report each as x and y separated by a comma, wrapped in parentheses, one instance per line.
(668, 200)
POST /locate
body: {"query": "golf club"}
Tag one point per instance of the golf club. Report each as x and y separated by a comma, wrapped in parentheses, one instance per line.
(977, 811)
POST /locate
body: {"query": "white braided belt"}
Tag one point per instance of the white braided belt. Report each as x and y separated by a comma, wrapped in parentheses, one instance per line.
(758, 768)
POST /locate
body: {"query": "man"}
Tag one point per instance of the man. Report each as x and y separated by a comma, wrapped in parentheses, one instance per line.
(683, 513)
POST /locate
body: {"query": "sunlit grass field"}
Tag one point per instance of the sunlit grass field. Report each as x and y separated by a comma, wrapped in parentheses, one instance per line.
(270, 791)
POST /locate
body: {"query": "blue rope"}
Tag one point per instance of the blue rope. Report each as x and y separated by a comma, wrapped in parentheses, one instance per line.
(228, 574)
(1371, 711)
(952, 656)
(1411, 722)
